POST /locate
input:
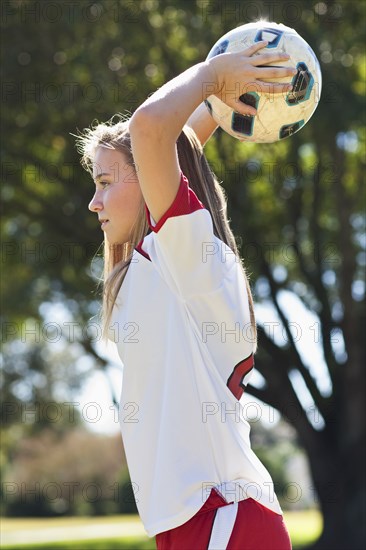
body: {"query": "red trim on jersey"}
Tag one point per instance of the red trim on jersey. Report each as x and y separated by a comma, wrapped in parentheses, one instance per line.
(235, 380)
(185, 202)
(139, 249)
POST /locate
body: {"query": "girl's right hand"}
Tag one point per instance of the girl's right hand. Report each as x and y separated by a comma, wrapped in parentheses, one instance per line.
(236, 73)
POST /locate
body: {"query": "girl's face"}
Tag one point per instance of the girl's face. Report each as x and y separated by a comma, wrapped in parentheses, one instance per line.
(117, 197)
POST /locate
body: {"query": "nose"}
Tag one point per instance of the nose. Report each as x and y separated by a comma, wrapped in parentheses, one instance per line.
(95, 204)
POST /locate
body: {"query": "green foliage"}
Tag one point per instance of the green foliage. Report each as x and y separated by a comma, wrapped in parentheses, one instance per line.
(276, 448)
(296, 206)
(68, 68)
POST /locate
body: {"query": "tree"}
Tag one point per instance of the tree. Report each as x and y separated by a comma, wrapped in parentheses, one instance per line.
(296, 205)
(57, 474)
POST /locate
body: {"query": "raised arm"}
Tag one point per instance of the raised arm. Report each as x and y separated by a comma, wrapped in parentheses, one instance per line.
(157, 123)
(154, 129)
(202, 123)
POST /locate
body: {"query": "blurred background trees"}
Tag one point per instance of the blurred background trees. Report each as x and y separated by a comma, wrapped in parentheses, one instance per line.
(297, 208)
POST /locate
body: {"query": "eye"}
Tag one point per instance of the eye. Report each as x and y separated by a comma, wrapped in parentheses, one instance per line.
(103, 184)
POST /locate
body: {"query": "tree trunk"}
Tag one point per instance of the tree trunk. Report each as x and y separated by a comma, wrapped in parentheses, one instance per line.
(340, 487)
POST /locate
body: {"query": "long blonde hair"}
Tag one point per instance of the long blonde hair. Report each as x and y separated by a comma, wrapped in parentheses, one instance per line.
(202, 180)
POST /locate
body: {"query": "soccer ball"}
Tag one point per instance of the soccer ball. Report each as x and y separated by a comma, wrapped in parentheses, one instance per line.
(278, 115)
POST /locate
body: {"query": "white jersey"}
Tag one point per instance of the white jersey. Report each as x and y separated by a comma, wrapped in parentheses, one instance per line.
(181, 323)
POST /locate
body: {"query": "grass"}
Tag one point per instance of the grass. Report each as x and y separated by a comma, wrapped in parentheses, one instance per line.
(304, 528)
(12, 524)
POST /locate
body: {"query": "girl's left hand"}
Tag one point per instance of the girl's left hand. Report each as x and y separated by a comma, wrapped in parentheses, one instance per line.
(236, 73)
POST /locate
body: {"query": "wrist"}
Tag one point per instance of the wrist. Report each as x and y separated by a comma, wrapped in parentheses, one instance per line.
(212, 84)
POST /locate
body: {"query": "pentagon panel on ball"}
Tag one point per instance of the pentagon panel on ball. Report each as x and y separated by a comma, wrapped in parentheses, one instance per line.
(278, 115)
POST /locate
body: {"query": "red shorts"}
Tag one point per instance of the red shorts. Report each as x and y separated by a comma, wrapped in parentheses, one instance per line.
(246, 525)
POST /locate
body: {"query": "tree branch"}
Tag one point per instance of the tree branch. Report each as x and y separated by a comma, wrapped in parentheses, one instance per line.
(314, 276)
(295, 356)
(283, 398)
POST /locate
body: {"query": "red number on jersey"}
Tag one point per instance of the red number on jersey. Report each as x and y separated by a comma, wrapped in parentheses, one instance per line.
(237, 379)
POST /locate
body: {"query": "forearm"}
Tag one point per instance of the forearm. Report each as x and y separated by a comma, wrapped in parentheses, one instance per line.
(202, 123)
(172, 105)
(227, 75)
(157, 123)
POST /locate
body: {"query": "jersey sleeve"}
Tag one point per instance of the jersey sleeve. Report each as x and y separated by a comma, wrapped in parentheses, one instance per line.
(183, 247)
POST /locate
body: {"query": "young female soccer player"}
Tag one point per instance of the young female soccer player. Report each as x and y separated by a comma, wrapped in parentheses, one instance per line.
(178, 305)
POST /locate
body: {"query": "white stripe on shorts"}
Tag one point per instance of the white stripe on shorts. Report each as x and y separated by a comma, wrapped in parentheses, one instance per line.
(223, 526)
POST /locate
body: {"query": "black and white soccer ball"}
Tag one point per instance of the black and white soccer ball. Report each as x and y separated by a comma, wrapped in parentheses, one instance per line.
(278, 115)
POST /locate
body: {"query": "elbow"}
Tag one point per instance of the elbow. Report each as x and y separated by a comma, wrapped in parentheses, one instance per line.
(145, 122)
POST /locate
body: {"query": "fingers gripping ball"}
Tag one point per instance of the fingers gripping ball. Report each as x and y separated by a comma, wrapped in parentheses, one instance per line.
(279, 115)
